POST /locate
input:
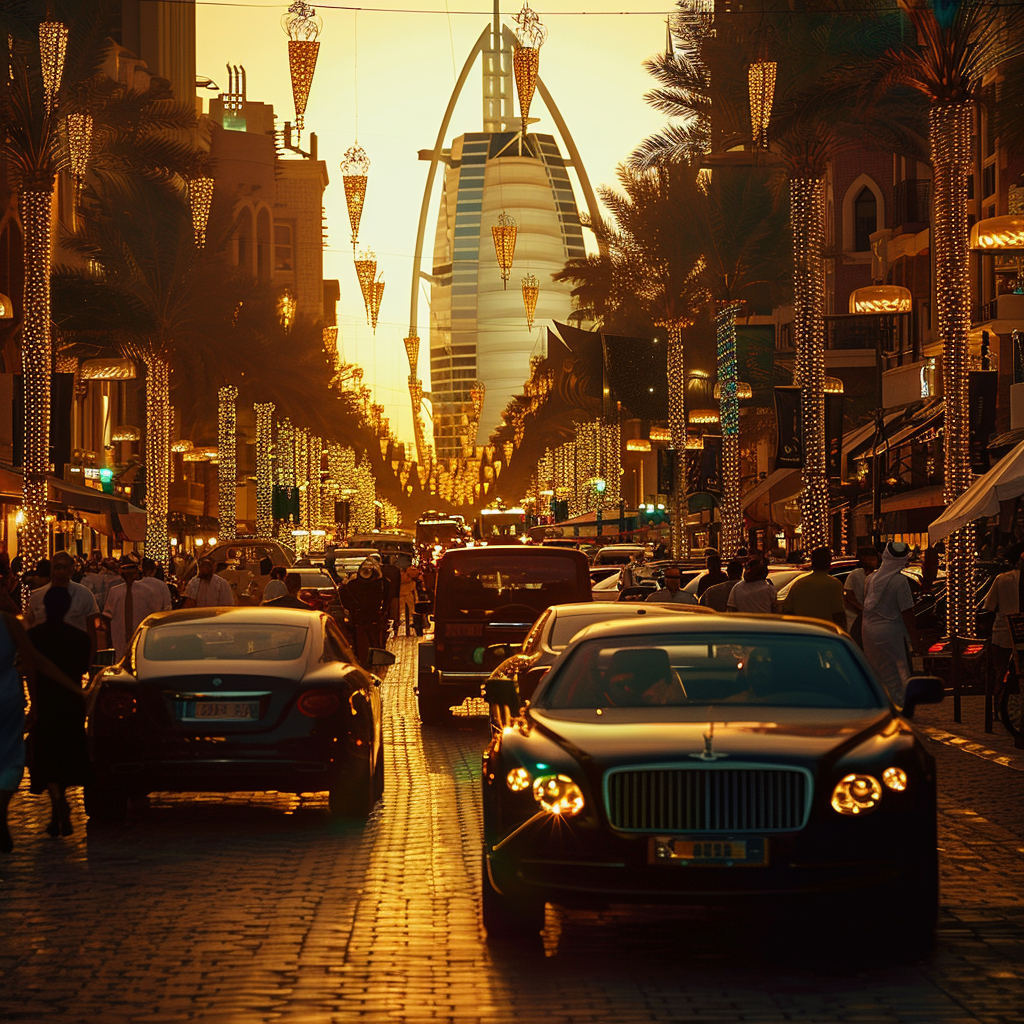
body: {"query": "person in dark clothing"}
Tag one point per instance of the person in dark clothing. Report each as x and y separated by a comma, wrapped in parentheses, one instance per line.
(293, 584)
(713, 573)
(393, 578)
(58, 754)
(366, 598)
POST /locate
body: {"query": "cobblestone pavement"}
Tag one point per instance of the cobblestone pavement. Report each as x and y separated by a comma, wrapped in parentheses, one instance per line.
(258, 908)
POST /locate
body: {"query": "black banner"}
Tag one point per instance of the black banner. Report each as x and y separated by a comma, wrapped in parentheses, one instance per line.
(834, 434)
(711, 464)
(62, 389)
(789, 453)
(666, 470)
(982, 390)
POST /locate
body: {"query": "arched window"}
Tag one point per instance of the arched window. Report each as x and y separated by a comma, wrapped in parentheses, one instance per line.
(865, 219)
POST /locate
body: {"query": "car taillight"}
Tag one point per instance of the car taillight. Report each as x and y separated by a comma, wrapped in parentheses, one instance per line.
(117, 704)
(318, 703)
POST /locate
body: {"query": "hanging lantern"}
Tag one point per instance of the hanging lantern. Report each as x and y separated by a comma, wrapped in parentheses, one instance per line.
(743, 390)
(383, 447)
(761, 83)
(375, 299)
(354, 170)
(78, 129)
(366, 271)
(881, 298)
(476, 394)
(53, 45)
(286, 305)
(302, 26)
(412, 350)
(331, 340)
(504, 235)
(530, 35)
(200, 196)
(531, 290)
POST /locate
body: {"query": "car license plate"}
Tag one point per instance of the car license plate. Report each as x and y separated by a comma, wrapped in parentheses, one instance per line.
(708, 852)
(220, 710)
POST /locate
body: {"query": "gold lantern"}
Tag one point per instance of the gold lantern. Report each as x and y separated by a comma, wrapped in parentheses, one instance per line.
(761, 83)
(531, 290)
(78, 128)
(53, 45)
(530, 35)
(881, 298)
(504, 235)
(200, 195)
(331, 340)
(507, 447)
(476, 394)
(354, 170)
(375, 299)
(302, 26)
(383, 447)
(412, 350)
(286, 305)
(366, 271)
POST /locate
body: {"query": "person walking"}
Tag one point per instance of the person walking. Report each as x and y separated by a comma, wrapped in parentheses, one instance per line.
(754, 593)
(127, 605)
(888, 621)
(15, 643)
(290, 598)
(275, 588)
(407, 600)
(365, 596)
(853, 591)
(1004, 598)
(712, 574)
(58, 754)
(671, 592)
(818, 595)
(717, 597)
(393, 578)
(151, 578)
(83, 610)
(205, 590)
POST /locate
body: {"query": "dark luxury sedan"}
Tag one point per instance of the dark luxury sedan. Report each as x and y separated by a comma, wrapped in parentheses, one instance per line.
(246, 698)
(700, 759)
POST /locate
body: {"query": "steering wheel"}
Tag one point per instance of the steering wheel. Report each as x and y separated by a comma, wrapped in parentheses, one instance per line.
(513, 609)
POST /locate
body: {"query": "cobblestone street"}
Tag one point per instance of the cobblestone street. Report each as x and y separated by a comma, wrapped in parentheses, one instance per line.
(256, 908)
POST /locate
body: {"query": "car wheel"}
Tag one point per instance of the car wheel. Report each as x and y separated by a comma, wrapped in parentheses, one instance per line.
(353, 796)
(433, 708)
(378, 774)
(106, 801)
(1011, 711)
(505, 916)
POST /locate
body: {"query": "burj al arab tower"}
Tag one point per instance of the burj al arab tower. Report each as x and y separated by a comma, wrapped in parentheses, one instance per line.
(480, 344)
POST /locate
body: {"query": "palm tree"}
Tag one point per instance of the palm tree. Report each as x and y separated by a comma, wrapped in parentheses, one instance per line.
(956, 46)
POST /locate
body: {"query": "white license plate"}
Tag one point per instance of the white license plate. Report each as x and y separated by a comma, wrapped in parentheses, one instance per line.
(720, 852)
(220, 711)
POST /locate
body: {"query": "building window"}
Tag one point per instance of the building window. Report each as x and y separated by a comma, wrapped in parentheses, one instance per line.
(283, 259)
(865, 219)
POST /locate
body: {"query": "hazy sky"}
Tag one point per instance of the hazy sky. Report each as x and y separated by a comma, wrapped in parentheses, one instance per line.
(402, 65)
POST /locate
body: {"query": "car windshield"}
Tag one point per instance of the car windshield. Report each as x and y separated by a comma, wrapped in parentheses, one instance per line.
(316, 581)
(688, 669)
(202, 641)
(477, 588)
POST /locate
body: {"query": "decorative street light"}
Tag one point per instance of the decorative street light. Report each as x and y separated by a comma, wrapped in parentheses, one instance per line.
(366, 272)
(504, 235)
(286, 306)
(375, 299)
(761, 85)
(881, 298)
(531, 291)
(530, 34)
(302, 26)
(53, 44)
(200, 194)
(78, 130)
(354, 170)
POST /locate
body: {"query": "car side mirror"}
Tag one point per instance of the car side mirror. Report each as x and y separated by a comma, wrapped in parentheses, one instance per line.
(378, 657)
(502, 692)
(496, 654)
(922, 690)
(531, 680)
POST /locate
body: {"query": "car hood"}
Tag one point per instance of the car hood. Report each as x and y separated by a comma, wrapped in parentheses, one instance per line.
(655, 735)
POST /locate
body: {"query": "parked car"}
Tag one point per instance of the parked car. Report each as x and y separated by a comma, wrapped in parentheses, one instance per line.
(703, 759)
(319, 589)
(483, 597)
(223, 699)
(402, 545)
(347, 561)
(618, 554)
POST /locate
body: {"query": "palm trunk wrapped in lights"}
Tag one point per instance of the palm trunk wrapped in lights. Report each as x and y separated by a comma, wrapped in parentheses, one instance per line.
(729, 418)
(807, 219)
(949, 130)
(227, 469)
(264, 469)
(677, 428)
(158, 455)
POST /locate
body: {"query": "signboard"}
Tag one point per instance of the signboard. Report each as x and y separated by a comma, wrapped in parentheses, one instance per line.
(834, 434)
(982, 389)
(789, 452)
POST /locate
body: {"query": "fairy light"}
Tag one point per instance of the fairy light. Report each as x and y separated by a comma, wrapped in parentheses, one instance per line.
(881, 298)
(158, 456)
(302, 25)
(200, 194)
(807, 216)
(53, 44)
(761, 87)
(355, 169)
(366, 272)
(375, 300)
(227, 470)
(504, 235)
(727, 392)
(264, 468)
(530, 36)
(78, 130)
(949, 130)
(677, 427)
(531, 291)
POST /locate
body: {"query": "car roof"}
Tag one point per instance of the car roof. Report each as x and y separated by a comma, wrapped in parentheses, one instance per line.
(236, 613)
(780, 625)
(624, 609)
(534, 551)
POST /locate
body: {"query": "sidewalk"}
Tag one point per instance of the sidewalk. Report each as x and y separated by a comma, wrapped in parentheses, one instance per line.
(936, 721)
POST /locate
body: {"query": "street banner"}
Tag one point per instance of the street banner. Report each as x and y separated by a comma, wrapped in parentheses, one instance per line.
(834, 434)
(982, 389)
(666, 470)
(789, 452)
(711, 465)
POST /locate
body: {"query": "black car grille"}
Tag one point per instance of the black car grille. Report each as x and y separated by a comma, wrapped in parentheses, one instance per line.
(673, 799)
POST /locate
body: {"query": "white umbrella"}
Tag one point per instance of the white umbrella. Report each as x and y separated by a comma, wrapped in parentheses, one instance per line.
(1003, 482)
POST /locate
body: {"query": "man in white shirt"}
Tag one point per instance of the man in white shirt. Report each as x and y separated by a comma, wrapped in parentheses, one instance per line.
(205, 590)
(275, 588)
(888, 623)
(1003, 598)
(127, 605)
(83, 610)
(671, 592)
(853, 591)
(755, 593)
(149, 578)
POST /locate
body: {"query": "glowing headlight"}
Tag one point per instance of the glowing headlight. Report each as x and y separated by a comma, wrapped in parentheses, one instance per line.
(856, 794)
(518, 779)
(895, 779)
(558, 794)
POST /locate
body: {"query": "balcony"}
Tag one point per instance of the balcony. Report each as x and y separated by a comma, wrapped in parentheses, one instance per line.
(912, 205)
(1008, 308)
(887, 333)
(186, 497)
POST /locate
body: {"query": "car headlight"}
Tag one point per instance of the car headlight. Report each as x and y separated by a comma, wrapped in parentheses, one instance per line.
(895, 779)
(856, 794)
(558, 794)
(518, 779)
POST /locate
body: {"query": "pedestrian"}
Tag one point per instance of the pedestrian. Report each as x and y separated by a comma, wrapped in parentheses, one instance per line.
(712, 574)
(15, 643)
(407, 598)
(393, 578)
(275, 588)
(1004, 598)
(41, 576)
(888, 621)
(58, 756)
(717, 597)
(661, 551)
(151, 578)
(853, 591)
(818, 595)
(290, 599)
(365, 597)
(82, 612)
(205, 590)
(671, 592)
(754, 593)
(127, 605)
(98, 578)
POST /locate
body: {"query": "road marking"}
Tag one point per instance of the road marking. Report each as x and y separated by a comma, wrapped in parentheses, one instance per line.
(977, 749)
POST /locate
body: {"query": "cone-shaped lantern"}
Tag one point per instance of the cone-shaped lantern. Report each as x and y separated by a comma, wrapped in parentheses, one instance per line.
(375, 296)
(476, 394)
(354, 170)
(531, 289)
(366, 271)
(504, 235)
(412, 350)
(761, 83)
(302, 25)
(507, 447)
(331, 340)
(53, 45)
(78, 129)
(530, 36)
(200, 194)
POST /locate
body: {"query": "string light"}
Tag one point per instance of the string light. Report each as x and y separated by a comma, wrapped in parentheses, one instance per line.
(227, 470)
(675, 326)
(302, 26)
(158, 456)
(200, 193)
(727, 393)
(366, 272)
(286, 305)
(53, 44)
(530, 35)
(531, 291)
(264, 468)
(355, 169)
(504, 235)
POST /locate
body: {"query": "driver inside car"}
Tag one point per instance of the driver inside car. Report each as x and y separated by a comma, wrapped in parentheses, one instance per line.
(642, 678)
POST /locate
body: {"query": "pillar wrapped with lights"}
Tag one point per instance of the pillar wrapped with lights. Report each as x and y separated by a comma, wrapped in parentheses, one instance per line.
(674, 327)
(504, 235)
(949, 131)
(78, 131)
(314, 494)
(200, 195)
(807, 220)
(264, 469)
(302, 25)
(355, 170)
(366, 272)
(158, 456)
(531, 34)
(531, 291)
(284, 449)
(375, 300)
(727, 390)
(363, 517)
(227, 469)
(761, 85)
(301, 450)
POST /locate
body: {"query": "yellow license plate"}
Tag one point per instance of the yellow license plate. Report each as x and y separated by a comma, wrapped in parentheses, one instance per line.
(721, 852)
